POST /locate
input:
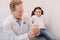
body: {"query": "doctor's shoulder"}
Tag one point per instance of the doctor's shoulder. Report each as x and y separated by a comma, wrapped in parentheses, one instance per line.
(28, 20)
(7, 22)
(27, 17)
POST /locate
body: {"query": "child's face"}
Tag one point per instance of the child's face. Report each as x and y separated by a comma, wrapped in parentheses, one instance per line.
(38, 12)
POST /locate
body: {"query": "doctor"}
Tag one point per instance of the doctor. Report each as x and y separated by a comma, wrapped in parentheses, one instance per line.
(17, 26)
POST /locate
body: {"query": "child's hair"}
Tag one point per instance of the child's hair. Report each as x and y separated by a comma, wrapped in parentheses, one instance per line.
(36, 9)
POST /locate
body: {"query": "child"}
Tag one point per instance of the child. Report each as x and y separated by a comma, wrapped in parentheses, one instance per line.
(38, 18)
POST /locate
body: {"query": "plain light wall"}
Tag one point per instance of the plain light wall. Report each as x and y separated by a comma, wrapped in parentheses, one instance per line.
(51, 10)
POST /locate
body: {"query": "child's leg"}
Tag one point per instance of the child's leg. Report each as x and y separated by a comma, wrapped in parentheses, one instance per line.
(44, 34)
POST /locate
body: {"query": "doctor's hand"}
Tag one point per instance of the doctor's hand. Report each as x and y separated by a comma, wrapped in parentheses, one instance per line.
(35, 29)
(31, 35)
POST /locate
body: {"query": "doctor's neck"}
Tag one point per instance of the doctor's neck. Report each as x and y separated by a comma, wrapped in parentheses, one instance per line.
(19, 18)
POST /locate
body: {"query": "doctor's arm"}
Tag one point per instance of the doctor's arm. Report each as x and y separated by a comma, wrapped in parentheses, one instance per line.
(8, 34)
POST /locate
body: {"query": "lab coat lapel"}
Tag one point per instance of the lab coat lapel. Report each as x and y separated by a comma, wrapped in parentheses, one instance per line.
(14, 25)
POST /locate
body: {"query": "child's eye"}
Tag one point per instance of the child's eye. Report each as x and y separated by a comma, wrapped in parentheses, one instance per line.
(39, 12)
(36, 12)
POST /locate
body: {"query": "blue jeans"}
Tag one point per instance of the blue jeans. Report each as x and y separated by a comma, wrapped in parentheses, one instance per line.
(44, 34)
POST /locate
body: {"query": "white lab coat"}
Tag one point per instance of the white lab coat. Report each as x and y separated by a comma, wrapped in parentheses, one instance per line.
(13, 31)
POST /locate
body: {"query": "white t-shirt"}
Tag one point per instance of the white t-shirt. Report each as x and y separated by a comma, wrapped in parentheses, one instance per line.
(39, 21)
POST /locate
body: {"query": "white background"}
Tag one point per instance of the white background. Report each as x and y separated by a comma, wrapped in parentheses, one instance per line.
(51, 10)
